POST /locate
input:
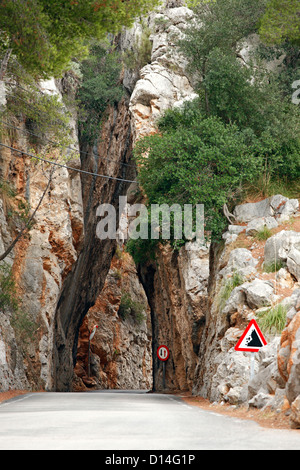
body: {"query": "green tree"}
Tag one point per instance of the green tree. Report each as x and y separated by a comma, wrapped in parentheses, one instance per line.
(196, 160)
(44, 36)
(249, 97)
(281, 21)
(219, 24)
(100, 86)
(243, 94)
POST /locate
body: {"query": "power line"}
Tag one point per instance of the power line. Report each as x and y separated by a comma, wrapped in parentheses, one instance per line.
(66, 147)
(65, 166)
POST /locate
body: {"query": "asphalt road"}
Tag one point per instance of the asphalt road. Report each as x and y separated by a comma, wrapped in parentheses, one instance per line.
(128, 421)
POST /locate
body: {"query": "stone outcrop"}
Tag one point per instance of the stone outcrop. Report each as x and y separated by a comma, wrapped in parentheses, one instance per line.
(222, 374)
(87, 278)
(163, 83)
(121, 351)
(289, 357)
(197, 301)
(176, 287)
(41, 260)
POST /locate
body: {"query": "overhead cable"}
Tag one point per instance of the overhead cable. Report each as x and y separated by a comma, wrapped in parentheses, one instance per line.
(65, 166)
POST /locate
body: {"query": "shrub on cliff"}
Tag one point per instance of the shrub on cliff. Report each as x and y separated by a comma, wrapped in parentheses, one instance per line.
(100, 87)
(196, 160)
(238, 87)
(44, 36)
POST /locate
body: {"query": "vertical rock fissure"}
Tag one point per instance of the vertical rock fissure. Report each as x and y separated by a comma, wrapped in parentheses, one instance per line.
(88, 275)
(146, 277)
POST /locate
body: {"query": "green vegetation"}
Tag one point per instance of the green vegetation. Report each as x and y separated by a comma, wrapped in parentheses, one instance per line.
(274, 267)
(25, 328)
(142, 250)
(130, 308)
(263, 234)
(281, 21)
(8, 294)
(235, 281)
(243, 126)
(44, 36)
(100, 86)
(273, 321)
(140, 54)
(46, 118)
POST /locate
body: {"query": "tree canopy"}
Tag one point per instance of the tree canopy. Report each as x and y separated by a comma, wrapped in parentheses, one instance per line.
(241, 134)
(44, 35)
(281, 21)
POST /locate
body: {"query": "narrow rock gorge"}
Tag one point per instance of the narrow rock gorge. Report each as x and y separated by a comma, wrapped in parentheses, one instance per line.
(197, 300)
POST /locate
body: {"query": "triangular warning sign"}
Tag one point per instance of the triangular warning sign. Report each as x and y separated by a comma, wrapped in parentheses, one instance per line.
(252, 339)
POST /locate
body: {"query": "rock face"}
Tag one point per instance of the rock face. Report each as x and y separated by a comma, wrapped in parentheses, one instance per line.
(87, 279)
(163, 83)
(176, 287)
(40, 262)
(289, 357)
(121, 351)
(197, 301)
(242, 288)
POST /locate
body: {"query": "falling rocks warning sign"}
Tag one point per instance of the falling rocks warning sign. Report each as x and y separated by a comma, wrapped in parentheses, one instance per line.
(252, 339)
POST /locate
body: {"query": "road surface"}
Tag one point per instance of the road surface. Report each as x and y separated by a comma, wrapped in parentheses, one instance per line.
(128, 421)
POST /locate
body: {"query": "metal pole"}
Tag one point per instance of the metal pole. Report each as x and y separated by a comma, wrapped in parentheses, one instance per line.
(164, 375)
(252, 366)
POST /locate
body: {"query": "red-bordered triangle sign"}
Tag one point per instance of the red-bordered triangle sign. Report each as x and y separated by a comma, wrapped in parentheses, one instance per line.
(252, 339)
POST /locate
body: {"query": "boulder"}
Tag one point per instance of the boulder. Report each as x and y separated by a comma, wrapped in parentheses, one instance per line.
(278, 202)
(241, 262)
(258, 224)
(295, 413)
(236, 300)
(261, 400)
(279, 246)
(251, 211)
(277, 206)
(293, 262)
(258, 293)
(230, 381)
(287, 210)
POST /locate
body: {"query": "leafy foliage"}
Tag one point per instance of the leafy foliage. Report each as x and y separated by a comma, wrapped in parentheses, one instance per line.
(273, 320)
(45, 116)
(44, 36)
(130, 308)
(140, 54)
(219, 24)
(281, 21)
(25, 328)
(141, 250)
(8, 295)
(242, 126)
(100, 86)
(196, 160)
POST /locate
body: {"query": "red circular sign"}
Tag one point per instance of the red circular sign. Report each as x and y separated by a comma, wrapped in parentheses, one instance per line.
(163, 353)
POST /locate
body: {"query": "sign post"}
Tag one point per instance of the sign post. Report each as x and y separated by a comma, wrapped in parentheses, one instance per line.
(163, 355)
(252, 340)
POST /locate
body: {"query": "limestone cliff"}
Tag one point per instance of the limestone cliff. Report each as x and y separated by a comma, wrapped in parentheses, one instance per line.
(197, 301)
(121, 351)
(41, 260)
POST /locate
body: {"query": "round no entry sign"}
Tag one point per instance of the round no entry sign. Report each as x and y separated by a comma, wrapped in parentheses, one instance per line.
(163, 353)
